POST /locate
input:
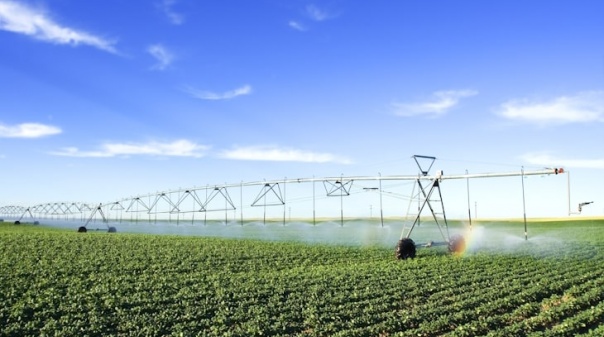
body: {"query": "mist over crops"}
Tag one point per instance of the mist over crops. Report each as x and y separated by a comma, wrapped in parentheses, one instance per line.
(481, 236)
(355, 232)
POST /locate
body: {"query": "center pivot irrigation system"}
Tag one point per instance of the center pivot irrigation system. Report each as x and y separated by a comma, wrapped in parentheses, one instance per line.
(202, 200)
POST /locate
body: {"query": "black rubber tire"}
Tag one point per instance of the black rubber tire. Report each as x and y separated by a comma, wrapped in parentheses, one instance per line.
(17, 222)
(111, 230)
(457, 244)
(82, 229)
(405, 249)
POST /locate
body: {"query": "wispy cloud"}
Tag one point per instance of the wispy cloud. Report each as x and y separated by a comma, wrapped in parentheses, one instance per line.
(178, 148)
(548, 160)
(312, 13)
(208, 95)
(583, 107)
(166, 7)
(19, 18)
(162, 55)
(440, 103)
(28, 130)
(273, 153)
(297, 26)
(317, 14)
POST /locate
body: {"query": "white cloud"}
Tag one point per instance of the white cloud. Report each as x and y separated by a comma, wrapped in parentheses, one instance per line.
(439, 104)
(208, 95)
(19, 18)
(178, 148)
(75, 152)
(28, 130)
(583, 107)
(166, 7)
(272, 153)
(162, 55)
(297, 26)
(311, 13)
(317, 14)
(547, 160)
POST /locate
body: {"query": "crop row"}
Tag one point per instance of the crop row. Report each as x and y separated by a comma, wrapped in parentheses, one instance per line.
(98, 284)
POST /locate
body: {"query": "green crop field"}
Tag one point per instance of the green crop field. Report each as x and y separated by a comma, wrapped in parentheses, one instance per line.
(62, 283)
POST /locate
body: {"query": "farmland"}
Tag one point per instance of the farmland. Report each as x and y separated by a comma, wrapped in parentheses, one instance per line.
(56, 282)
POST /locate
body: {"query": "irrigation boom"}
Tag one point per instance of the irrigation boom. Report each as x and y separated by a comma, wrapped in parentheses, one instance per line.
(218, 198)
(547, 171)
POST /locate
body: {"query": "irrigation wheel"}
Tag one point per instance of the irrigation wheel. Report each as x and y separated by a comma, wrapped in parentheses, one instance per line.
(457, 244)
(82, 229)
(405, 249)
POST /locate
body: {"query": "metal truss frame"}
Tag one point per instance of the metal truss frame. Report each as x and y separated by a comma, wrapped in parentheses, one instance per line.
(137, 201)
(47, 209)
(12, 210)
(223, 191)
(190, 194)
(266, 189)
(331, 188)
(165, 197)
(272, 193)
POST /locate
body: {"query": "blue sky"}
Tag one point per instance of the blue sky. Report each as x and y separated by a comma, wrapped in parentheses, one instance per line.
(101, 100)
